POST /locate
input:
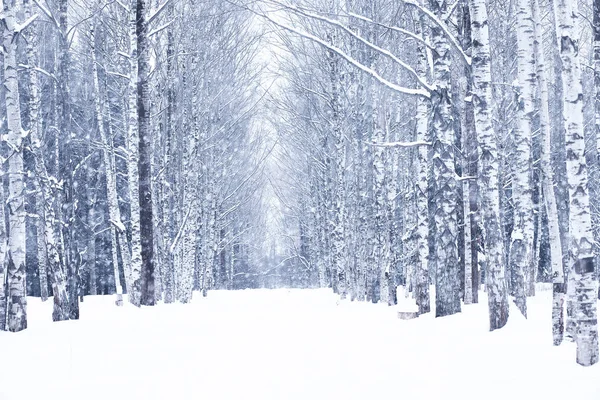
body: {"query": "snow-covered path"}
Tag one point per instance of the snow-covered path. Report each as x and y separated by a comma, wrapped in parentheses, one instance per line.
(286, 344)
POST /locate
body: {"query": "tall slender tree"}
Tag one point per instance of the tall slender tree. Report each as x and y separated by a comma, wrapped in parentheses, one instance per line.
(16, 286)
(580, 223)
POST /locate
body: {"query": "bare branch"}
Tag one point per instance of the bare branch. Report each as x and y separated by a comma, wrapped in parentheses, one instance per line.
(443, 27)
(341, 53)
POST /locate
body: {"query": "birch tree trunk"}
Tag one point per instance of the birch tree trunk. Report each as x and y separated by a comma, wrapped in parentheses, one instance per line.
(48, 236)
(447, 282)
(145, 157)
(211, 228)
(580, 224)
(42, 252)
(114, 214)
(168, 165)
(596, 46)
(381, 246)
(488, 152)
(16, 285)
(65, 161)
(422, 207)
(93, 271)
(522, 235)
(339, 201)
(467, 126)
(468, 297)
(35, 129)
(190, 199)
(556, 256)
(3, 253)
(133, 138)
(596, 50)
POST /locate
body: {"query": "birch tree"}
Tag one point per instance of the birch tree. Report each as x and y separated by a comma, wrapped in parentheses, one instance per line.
(488, 153)
(580, 224)
(521, 252)
(16, 287)
(556, 256)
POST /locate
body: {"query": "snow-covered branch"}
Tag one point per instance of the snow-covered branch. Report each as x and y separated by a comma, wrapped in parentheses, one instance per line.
(392, 28)
(367, 43)
(158, 11)
(444, 29)
(399, 144)
(46, 12)
(351, 60)
(22, 26)
(160, 28)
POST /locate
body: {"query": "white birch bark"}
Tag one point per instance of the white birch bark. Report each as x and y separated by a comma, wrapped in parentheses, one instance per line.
(190, 200)
(168, 271)
(134, 288)
(211, 230)
(339, 201)
(48, 239)
(596, 50)
(521, 251)
(488, 152)
(114, 214)
(144, 155)
(381, 248)
(51, 237)
(468, 297)
(580, 224)
(42, 252)
(17, 295)
(422, 207)
(556, 256)
(66, 208)
(445, 216)
(3, 252)
(35, 128)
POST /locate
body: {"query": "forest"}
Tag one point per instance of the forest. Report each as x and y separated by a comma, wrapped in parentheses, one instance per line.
(448, 151)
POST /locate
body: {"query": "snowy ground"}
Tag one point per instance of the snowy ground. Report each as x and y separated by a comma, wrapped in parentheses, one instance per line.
(287, 344)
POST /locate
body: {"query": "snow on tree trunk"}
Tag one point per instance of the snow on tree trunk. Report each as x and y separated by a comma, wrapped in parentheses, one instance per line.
(468, 297)
(445, 216)
(145, 157)
(355, 193)
(571, 323)
(134, 287)
(65, 161)
(92, 269)
(35, 128)
(339, 201)
(521, 250)
(190, 200)
(596, 50)
(211, 229)
(488, 152)
(3, 252)
(114, 214)
(324, 212)
(596, 45)
(556, 256)
(580, 224)
(422, 207)
(17, 295)
(58, 278)
(381, 246)
(50, 234)
(42, 252)
(166, 191)
(467, 123)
